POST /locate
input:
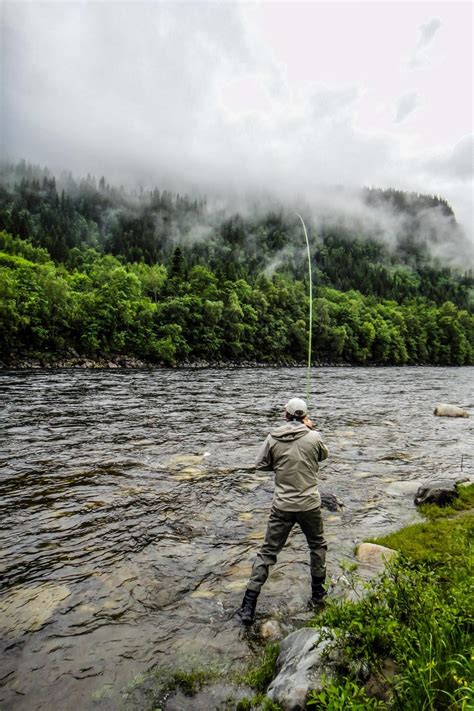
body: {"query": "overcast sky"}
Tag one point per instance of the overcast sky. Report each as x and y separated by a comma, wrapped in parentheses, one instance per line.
(284, 97)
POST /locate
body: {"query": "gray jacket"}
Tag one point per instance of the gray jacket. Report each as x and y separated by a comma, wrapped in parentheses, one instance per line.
(293, 451)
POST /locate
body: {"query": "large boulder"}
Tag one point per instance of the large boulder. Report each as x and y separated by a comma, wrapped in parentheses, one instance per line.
(442, 493)
(301, 667)
(375, 556)
(444, 410)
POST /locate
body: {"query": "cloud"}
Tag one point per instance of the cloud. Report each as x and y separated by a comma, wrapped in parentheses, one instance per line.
(427, 32)
(456, 163)
(406, 104)
(186, 96)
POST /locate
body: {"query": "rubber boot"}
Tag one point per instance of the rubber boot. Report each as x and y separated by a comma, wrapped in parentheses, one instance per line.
(247, 609)
(318, 592)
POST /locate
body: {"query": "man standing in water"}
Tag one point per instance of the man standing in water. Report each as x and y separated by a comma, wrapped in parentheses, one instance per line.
(292, 451)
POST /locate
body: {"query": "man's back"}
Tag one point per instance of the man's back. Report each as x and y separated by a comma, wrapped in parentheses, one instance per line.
(293, 451)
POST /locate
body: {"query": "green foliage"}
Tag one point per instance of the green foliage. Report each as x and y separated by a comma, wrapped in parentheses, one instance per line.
(440, 542)
(463, 502)
(151, 689)
(90, 268)
(259, 702)
(189, 682)
(419, 615)
(99, 306)
(260, 676)
(339, 697)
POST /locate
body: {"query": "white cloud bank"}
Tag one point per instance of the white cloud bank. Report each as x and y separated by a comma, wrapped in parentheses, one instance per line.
(203, 95)
(406, 104)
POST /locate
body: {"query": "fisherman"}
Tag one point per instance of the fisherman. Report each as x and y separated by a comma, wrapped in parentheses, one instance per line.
(292, 451)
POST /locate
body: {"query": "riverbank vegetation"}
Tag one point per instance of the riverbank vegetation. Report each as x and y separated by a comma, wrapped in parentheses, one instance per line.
(93, 270)
(415, 629)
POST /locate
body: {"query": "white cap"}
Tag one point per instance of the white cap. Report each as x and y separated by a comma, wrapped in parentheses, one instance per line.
(296, 407)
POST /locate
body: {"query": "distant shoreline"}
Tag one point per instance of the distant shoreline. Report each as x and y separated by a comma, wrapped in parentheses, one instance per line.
(120, 362)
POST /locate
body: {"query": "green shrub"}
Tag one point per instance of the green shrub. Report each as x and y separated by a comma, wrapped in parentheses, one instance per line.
(259, 702)
(419, 615)
(340, 697)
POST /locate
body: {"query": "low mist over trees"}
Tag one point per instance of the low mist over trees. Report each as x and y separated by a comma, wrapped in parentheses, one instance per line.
(98, 270)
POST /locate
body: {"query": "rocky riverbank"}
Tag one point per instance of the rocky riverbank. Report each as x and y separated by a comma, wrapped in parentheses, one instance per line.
(106, 362)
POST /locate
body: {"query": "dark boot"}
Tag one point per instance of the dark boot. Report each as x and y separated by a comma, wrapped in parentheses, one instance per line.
(318, 592)
(247, 610)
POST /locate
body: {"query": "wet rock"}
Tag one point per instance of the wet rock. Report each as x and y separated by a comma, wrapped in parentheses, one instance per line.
(444, 410)
(186, 467)
(302, 665)
(331, 502)
(271, 630)
(396, 457)
(441, 493)
(374, 555)
(186, 460)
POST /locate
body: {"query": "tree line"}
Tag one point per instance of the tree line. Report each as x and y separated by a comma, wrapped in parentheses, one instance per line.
(147, 226)
(101, 270)
(95, 304)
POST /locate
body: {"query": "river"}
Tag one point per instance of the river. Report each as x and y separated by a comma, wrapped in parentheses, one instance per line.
(130, 511)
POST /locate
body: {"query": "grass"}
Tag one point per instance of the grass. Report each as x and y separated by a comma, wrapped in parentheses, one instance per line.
(190, 682)
(418, 616)
(150, 690)
(260, 676)
(259, 702)
(346, 695)
(464, 502)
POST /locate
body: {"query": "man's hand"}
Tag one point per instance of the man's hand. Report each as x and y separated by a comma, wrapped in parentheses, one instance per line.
(309, 423)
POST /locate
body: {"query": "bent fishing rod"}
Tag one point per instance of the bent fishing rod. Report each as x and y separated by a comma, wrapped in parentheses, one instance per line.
(310, 324)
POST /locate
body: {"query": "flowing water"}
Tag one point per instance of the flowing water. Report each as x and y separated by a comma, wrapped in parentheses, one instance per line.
(130, 511)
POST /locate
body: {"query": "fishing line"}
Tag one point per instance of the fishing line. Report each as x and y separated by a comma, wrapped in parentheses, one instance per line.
(310, 326)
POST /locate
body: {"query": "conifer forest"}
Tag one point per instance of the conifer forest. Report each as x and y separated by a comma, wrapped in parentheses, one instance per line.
(88, 268)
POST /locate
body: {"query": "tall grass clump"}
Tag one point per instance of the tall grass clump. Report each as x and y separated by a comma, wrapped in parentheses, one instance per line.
(417, 620)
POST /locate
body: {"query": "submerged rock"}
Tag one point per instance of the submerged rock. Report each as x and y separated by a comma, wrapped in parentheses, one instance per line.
(302, 666)
(185, 467)
(444, 410)
(331, 502)
(28, 608)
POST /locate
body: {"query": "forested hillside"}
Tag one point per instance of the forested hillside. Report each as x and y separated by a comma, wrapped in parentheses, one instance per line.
(94, 269)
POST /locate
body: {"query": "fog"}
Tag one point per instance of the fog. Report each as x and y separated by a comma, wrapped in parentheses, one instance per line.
(208, 98)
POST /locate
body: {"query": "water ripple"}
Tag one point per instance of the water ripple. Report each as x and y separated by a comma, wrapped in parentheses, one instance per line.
(131, 511)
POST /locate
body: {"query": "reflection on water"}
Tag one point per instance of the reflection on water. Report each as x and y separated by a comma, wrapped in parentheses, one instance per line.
(131, 512)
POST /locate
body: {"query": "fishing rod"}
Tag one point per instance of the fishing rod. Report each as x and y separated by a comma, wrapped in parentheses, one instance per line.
(310, 325)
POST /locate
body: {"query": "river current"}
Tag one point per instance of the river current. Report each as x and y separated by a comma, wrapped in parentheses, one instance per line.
(131, 512)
